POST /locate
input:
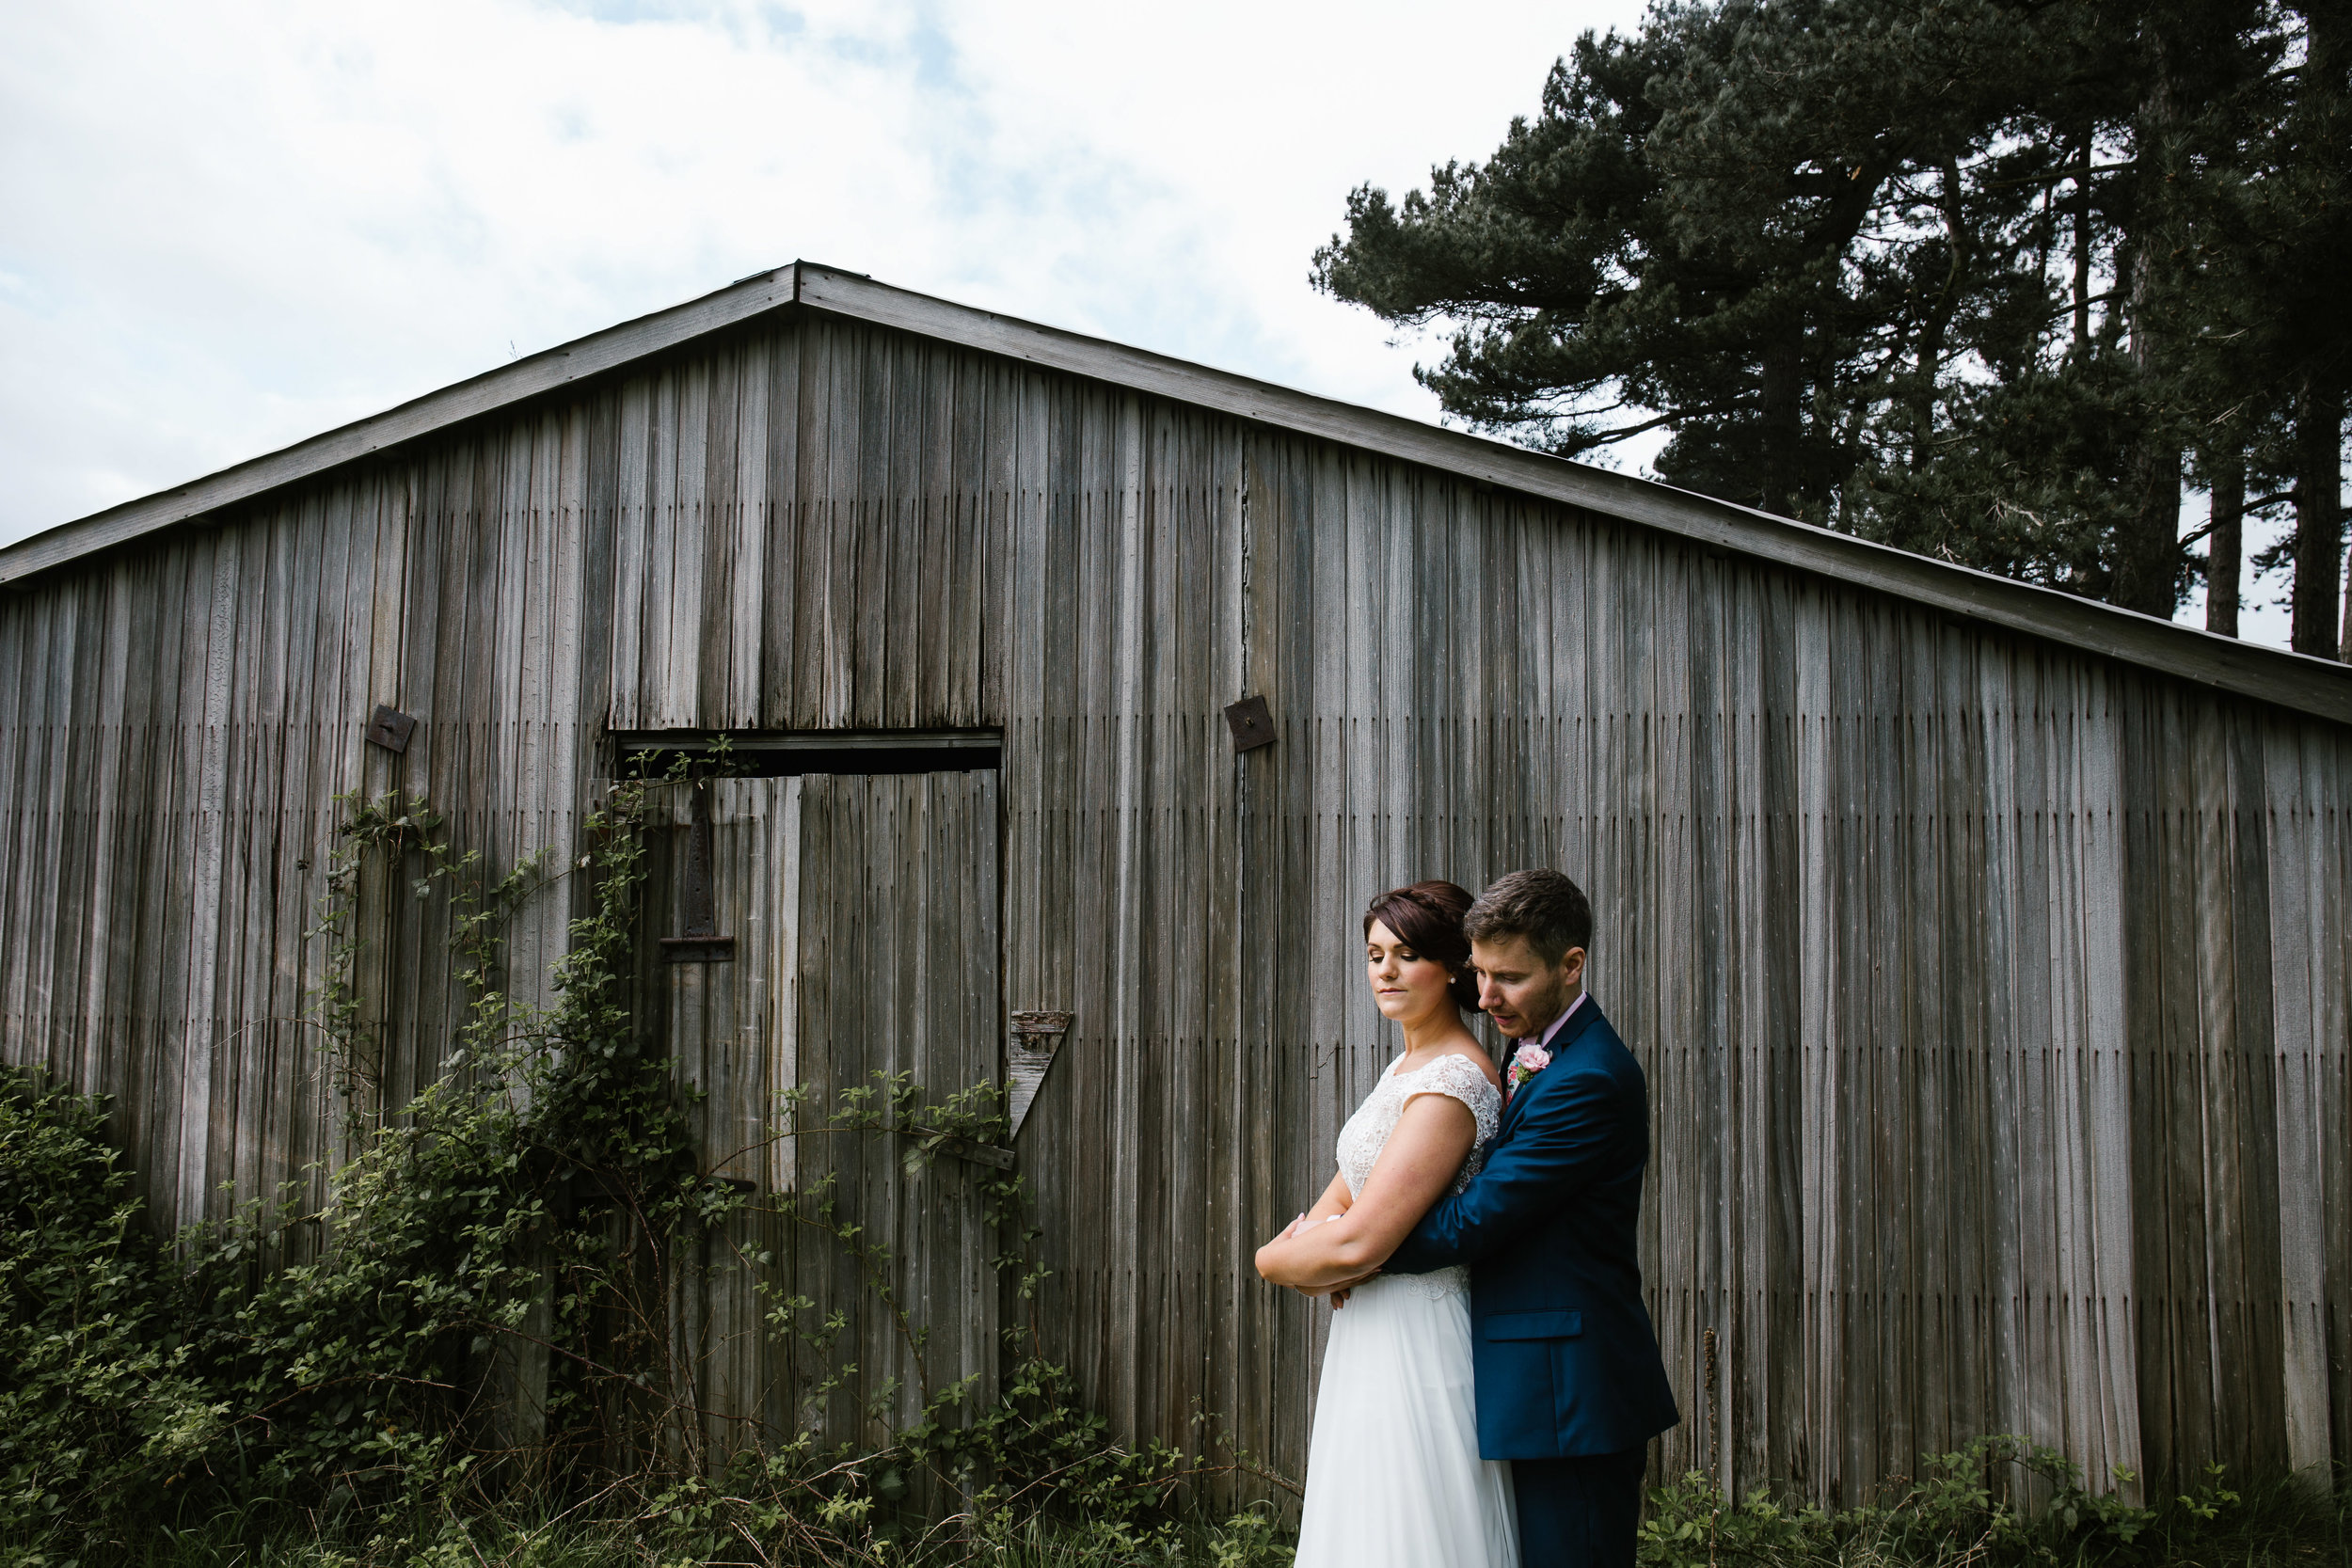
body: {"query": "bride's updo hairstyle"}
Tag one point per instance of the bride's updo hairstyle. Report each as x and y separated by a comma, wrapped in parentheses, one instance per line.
(1428, 918)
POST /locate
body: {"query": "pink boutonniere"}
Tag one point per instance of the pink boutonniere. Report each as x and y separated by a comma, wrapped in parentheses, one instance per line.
(1526, 1062)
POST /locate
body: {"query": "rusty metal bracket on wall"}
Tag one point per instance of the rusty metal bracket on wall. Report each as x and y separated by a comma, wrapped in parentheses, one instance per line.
(390, 729)
(1253, 723)
(699, 943)
(1036, 1036)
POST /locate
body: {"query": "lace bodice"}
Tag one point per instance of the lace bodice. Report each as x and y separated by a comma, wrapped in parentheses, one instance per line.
(1367, 1132)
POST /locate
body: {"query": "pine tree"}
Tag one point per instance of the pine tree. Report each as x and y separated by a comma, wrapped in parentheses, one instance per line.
(1966, 275)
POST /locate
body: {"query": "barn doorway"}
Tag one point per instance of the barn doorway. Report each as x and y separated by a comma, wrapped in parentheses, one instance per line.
(834, 917)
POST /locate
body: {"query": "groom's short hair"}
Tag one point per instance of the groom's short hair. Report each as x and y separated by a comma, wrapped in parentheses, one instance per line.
(1543, 906)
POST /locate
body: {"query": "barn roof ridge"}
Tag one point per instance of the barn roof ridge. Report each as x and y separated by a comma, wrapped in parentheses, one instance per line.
(2307, 684)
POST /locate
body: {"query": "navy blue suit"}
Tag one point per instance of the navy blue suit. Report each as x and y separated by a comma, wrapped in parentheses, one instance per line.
(1570, 1384)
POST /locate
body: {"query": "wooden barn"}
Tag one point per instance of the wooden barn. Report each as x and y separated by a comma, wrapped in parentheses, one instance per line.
(1989, 950)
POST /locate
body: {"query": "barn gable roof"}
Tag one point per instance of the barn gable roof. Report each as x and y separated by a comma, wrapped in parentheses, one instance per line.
(2314, 686)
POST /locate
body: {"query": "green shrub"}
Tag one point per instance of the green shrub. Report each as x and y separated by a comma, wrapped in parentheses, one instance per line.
(105, 1404)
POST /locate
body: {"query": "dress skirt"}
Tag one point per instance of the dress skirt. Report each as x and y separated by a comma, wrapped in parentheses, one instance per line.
(1393, 1475)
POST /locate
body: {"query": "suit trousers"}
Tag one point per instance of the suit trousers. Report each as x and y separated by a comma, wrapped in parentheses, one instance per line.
(1580, 1512)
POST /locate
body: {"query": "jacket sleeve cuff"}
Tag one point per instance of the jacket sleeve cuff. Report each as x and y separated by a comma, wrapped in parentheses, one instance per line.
(1419, 1253)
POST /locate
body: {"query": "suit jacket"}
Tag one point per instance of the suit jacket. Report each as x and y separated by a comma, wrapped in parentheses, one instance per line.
(1566, 1359)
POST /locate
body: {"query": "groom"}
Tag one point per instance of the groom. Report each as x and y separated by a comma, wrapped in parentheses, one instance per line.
(1569, 1386)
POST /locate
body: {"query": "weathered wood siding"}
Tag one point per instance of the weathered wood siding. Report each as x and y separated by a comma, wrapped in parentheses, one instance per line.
(1994, 995)
(811, 532)
(176, 721)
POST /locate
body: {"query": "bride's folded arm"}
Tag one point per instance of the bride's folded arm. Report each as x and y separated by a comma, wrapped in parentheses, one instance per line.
(1334, 1203)
(1432, 1139)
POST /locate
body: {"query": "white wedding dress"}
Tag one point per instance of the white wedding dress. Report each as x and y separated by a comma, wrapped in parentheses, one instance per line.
(1393, 1475)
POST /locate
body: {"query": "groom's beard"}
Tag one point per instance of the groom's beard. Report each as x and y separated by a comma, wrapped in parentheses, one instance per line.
(1535, 1013)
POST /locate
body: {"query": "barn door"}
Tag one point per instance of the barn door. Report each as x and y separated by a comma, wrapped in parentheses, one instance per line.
(851, 930)
(897, 972)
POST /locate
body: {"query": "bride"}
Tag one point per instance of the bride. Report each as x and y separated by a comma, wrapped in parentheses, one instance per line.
(1393, 1474)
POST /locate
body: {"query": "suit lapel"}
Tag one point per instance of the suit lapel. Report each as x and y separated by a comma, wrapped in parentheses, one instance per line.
(1581, 1020)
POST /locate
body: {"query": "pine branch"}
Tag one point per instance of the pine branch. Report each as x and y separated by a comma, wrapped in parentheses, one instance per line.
(2061, 177)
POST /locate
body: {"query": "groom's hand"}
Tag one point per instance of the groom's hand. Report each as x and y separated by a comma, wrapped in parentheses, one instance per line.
(1339, 1293)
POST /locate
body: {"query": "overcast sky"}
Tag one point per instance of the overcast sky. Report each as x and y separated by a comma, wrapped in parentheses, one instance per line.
(228, 226)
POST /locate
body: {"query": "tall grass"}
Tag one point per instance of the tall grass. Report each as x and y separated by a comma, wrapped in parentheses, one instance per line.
(1945, 1520)
(2002, 1502)
(273, 1536)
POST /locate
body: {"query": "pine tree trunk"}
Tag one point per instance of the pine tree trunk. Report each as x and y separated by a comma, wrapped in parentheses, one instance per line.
(2082, 244)
(2146, 553)
(2147, 545)
(2326, 78)
(1782, 424)
(2318, 514)
(2225, 549)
